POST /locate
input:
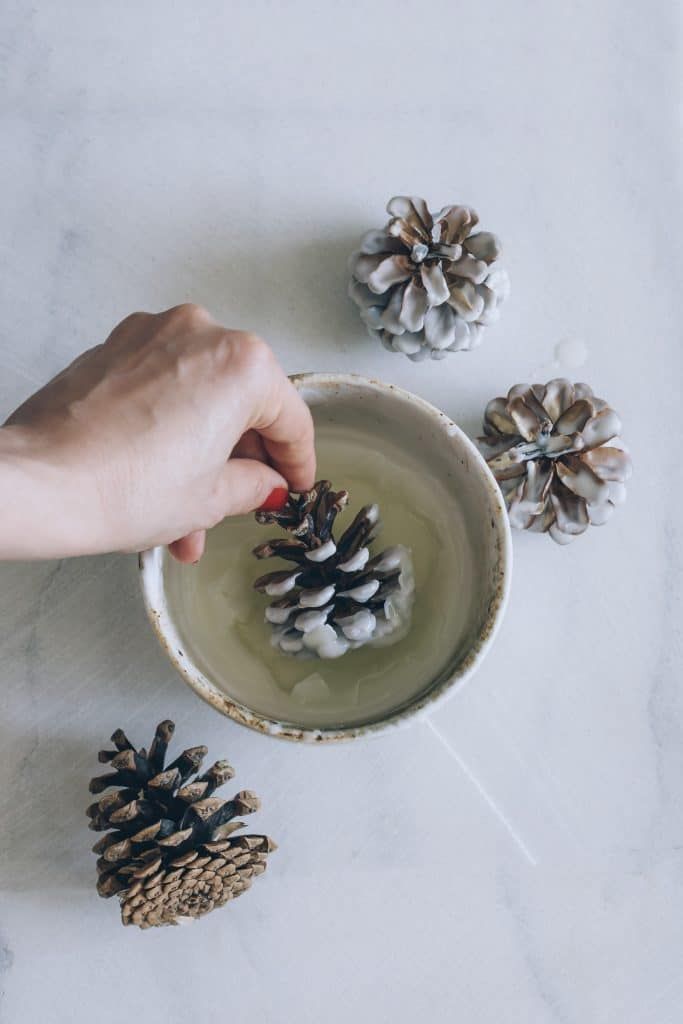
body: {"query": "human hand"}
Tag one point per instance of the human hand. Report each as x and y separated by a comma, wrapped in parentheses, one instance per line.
(154, 436)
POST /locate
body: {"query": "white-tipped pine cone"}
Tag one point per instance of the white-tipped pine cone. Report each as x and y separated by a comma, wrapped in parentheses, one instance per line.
(425, 284)
(335, 596)
(556, 454)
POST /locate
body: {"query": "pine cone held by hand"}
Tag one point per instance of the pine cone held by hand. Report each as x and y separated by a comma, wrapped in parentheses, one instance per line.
(426, 284)
(169, 852)
(555, 452)
(335, 597)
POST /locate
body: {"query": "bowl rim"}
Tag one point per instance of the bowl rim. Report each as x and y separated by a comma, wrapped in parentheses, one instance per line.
(150, 564)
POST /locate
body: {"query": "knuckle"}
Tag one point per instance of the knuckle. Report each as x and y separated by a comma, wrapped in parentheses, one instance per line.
(190, 314)
(307, 428)
(138, 317)
(305, 434)
(130, 323)
(223, 350)
(241, 353)
(254, 353)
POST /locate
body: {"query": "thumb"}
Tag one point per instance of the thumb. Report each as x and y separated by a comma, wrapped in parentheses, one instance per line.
(246, 485)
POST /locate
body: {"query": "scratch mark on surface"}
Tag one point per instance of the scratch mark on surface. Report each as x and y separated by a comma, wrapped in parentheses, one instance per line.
(484, 794)
(542, 976)
(541, 777)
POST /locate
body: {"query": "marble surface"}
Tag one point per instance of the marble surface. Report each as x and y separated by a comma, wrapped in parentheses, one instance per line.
(519, 858)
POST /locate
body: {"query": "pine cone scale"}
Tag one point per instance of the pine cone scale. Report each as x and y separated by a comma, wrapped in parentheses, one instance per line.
(609, 463)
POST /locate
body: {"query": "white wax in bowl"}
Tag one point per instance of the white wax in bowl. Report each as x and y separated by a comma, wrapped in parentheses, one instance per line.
(221, 618)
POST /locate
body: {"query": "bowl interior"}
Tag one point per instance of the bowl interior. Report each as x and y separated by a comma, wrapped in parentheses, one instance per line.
(436, 497)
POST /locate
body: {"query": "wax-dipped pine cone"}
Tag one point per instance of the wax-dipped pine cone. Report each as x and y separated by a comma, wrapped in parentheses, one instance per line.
(556, 453)
(170, 851)
(334, 596)
(427, 284)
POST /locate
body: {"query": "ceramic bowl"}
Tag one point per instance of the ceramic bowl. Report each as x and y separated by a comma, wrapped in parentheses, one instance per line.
(449, 471)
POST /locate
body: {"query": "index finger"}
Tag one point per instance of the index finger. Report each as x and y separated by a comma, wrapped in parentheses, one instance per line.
(288, 435)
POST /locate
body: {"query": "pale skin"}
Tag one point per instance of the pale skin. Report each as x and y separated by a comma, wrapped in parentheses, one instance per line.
(153, 437)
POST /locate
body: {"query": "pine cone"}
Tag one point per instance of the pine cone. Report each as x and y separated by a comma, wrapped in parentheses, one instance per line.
(336, 597)
(426, 285)
(555, 453)
(170, 854)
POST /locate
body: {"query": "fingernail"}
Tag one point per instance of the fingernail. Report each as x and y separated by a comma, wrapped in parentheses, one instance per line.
(276, 500)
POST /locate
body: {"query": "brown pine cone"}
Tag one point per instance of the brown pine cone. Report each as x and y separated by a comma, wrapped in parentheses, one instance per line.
(169, 852)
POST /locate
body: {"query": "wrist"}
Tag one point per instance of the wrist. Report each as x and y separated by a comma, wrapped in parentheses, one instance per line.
(46, 510)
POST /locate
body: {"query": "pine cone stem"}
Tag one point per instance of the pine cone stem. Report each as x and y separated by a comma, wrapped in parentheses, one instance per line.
(543, 448)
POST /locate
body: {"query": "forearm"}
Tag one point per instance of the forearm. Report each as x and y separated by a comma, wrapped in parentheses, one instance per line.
(45, 510)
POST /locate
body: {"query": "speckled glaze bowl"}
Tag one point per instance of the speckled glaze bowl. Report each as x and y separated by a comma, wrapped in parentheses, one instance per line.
(443, 454)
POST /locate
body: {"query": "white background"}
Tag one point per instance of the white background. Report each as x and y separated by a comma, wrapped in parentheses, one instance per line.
(528, 869)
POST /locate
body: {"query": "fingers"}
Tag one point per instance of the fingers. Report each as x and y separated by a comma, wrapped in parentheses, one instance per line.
(189, 549)
(287, 432)
(250, 446)
(246, 485)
